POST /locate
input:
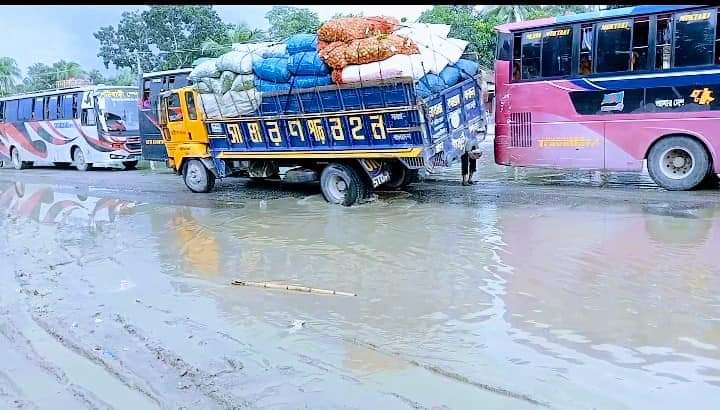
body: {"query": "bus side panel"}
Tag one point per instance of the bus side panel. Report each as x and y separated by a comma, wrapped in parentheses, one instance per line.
(628, 141)
(4, 147)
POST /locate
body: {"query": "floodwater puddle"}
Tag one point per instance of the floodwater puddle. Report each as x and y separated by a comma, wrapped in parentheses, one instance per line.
(567, 306)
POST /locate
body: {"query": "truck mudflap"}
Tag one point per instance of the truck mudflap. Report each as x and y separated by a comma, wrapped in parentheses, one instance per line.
(376, 171)
(447, 150)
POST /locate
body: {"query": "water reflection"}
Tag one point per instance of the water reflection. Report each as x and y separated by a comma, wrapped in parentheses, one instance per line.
(43, 204)
(617, 304)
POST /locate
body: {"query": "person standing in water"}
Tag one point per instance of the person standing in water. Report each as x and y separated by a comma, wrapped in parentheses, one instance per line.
(468, 164)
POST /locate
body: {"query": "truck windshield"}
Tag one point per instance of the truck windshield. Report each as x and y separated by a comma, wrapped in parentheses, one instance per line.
(120, 110)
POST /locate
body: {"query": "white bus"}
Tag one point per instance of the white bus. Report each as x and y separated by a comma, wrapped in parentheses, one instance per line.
(84, 126)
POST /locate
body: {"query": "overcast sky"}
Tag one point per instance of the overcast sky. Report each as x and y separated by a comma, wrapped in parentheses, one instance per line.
(49, 33)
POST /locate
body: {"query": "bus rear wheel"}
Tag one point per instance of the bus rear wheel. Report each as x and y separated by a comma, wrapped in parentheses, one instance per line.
(17, 162)
(78, 158)
(342, 185)
(197, 177)
(678, 163)
(129, 165)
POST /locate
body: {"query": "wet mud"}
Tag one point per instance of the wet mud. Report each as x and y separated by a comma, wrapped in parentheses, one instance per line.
(532, 289)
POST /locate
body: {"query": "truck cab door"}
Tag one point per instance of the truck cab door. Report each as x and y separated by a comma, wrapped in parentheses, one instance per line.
(171, 118)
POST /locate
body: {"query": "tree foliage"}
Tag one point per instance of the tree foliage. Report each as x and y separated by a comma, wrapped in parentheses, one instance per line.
(286, 21)
(161, 38)
(9, 75)
(466, 24)
(240, 33)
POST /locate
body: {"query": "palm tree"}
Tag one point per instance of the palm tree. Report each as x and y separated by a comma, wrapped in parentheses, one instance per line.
(509, 13)
(240, 33)
(67, 69)
(9, 74)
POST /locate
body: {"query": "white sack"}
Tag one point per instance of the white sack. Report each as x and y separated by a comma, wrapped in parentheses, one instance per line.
(205, 69)
(275, 50)
(436, 49)
(250, 48)
(397, 66)
(231, 104)
(243, 82)
(239, 62)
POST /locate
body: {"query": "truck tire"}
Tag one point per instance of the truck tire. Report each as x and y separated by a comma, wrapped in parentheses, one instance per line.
(198, 178)
(129, 165)
(401, 176)
(341, 184)
(17, 162)
(678, 163)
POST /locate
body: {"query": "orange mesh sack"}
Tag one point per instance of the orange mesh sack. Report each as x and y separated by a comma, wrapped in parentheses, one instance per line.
(355, 28)
(337, 76)
(321, 45)
(334, 54)
(377, 48)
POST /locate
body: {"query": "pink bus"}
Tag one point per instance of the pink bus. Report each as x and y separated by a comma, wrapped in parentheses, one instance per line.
(612, 90)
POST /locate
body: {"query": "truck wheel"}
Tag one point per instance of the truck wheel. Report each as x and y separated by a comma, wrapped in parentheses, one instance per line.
(17, 162)
(129, 165)
(678, 163)
(341, 184)
(401, 176)
(197, 177)
(78, 158)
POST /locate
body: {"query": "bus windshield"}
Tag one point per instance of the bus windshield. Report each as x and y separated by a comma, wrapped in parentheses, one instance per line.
(119, 109)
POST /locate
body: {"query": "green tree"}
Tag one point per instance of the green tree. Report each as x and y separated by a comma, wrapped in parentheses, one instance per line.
(9, 75)
(67, 69)
(557, 10)
(241, 33)
(466, 24)
(124, 76)
(286, 21)
(160, 38)
(509, 13)
(39, 76)
(95, 76)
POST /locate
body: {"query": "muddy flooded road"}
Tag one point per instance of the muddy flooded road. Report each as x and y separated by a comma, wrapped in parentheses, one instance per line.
(530, 290)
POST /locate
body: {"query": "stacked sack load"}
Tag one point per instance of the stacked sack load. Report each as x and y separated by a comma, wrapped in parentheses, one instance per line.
(376, 48)
(441, 57)
(300, 67)
(226, 84)
(345, 50)
(366, 49)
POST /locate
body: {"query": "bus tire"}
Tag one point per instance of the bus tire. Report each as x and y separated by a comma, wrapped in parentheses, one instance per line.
(197, 177)
(17, 162)
(341, 185)
(678, 163)
(129, 165)
(78, 158)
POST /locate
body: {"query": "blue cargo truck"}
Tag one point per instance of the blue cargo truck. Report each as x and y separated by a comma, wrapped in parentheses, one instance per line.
(352, 138)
